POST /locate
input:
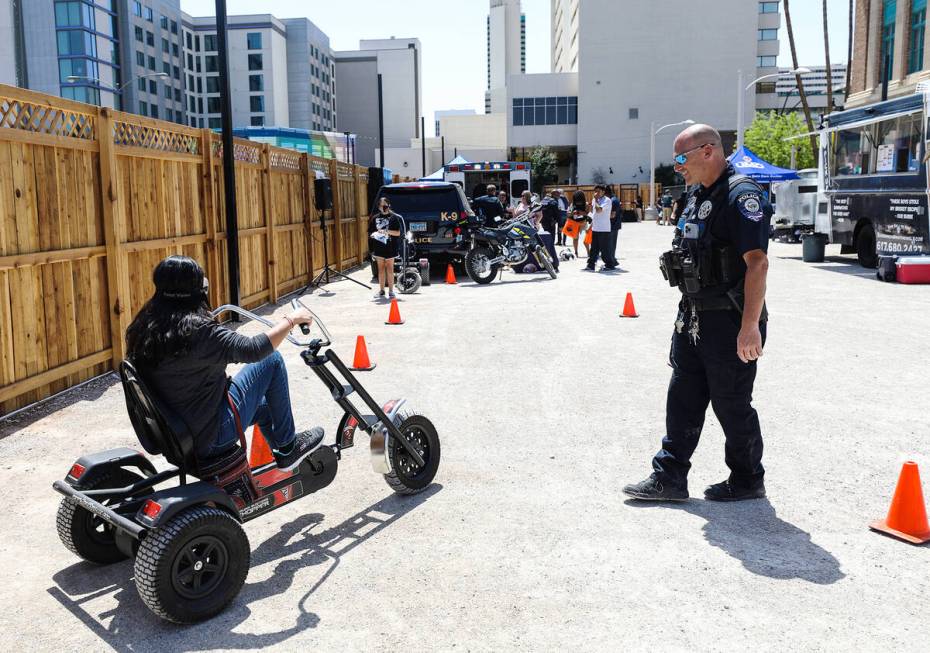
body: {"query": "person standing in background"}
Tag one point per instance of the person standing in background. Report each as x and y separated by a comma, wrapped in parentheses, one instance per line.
(600, 230)
(616, 222)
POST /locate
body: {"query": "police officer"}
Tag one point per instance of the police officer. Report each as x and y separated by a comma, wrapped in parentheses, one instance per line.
(490, 208)
(719, 262)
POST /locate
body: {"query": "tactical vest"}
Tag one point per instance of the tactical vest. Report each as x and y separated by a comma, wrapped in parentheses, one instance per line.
(715, 260)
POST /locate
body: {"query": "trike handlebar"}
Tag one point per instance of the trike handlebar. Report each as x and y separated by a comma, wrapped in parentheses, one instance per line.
(305, 328)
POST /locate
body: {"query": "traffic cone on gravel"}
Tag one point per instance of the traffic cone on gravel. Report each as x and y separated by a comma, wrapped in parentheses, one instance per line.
(907, 516)
(628, 309)
(450, 274)
(361, 362)
(260, 453)
(394, 315)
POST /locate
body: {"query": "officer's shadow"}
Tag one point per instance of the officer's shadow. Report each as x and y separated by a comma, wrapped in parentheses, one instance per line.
(751, 532)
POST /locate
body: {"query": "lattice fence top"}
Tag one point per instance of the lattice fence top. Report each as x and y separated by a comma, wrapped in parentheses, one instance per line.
(153, 138)
(320, 165)
(247, 153)
(285, 160)
(345, 171)
(34, 117)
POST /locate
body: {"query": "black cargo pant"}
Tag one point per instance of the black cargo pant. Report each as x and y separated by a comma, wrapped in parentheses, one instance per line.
(711, 372)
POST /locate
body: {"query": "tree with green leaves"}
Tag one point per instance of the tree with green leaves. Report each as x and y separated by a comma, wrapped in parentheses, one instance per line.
(666, 175)
(544, 164)
(766, 137)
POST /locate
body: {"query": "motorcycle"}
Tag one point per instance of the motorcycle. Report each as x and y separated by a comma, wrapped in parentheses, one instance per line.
(510, 245)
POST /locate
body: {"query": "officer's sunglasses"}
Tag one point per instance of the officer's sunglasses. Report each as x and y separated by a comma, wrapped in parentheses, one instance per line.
(682, 158)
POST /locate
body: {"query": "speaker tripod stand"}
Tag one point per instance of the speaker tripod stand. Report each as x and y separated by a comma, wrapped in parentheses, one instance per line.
(328, 274)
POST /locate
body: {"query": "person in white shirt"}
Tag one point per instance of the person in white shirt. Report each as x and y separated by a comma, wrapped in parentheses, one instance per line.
(600, 230)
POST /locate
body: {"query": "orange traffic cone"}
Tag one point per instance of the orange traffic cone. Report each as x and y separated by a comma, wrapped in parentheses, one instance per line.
(907, 516)
(361, 362)
(450, 274)
(260, 453)
(394, 315)
(628, 309)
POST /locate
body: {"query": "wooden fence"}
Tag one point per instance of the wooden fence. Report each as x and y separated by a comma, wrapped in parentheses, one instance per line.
(91, 199)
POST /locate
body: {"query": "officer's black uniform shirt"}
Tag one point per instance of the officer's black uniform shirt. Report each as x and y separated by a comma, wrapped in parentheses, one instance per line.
(491, 208)
(739, 217)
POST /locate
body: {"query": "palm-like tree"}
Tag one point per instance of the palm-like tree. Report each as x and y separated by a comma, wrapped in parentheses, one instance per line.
(797, 76)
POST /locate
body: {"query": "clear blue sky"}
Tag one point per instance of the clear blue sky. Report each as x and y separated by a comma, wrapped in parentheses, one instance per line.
(452, 33)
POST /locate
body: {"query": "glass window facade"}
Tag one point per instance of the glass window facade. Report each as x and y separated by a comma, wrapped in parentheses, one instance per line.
(209, 42)
(768, 7)
(254, 40)
(257, 103)
(557, 110)
(889, 9)
(255, 62)
(256, 83)
(915, 54)
(768, 34)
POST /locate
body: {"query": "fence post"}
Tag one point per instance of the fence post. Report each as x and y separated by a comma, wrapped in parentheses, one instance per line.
(113, 233)
(269, 223)
(357, 218)
(307, 182)
(337, 214)
(208, 188)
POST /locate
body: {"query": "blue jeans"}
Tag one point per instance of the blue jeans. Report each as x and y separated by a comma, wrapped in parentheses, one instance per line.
(261, 396)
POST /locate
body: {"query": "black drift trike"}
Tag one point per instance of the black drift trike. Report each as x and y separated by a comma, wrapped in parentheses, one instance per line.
(191, 552)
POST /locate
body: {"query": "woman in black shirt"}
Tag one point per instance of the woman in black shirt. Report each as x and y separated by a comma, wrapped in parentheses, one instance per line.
(383, 240)
(181, 352)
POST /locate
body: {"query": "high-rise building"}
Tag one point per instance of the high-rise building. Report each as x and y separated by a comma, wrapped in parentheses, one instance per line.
(889, 58)
(506, 36)
(258, 71)
(311, 76)
(788, 97)
(399, 64)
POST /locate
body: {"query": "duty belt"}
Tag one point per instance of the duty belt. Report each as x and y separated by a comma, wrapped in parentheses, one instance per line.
(723, 303)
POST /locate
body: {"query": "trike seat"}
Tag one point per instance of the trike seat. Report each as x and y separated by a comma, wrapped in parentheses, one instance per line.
(161, 431)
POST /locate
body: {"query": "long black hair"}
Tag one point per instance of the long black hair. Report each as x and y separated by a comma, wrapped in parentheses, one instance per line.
(165, 324)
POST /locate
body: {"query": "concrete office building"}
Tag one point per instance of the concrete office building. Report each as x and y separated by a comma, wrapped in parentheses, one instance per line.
(311, 74)
(398, 61)
(616, 102)
(9, 43)
(258, 70)
(506, 37)
(889, 58)
(445, 113)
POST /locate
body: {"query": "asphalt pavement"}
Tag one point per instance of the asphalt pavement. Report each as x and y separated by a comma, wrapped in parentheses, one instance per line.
(547, 403)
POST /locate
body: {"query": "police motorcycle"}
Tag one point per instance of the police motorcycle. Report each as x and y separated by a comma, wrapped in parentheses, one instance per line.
(509, 245)
(191, 554)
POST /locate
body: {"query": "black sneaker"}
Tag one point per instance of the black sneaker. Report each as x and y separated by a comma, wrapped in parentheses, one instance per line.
(726, 491)
(304, 444)
(652, 489)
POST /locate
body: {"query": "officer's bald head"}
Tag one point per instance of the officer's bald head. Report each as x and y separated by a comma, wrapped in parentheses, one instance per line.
(697, 135)
(703, 149)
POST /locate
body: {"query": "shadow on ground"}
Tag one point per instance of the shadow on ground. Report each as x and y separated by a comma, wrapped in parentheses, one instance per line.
(130, 626)
(766, 545)
(839, 264)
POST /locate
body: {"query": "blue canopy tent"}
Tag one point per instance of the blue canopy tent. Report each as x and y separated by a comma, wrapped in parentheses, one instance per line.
(746, 161)
(438, 175)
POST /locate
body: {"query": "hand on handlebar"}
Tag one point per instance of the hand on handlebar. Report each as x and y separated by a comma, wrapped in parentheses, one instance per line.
(301, 316)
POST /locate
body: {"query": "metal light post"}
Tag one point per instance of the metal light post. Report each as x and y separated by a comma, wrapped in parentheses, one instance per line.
(229, 163)
(741, 94)
(650, 212)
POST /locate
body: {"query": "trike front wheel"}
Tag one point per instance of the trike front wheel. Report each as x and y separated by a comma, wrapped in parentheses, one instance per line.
(406, 476)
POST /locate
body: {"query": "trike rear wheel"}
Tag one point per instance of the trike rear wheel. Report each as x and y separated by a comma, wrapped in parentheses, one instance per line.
(84, 533)
(189, 569)
(406, 476)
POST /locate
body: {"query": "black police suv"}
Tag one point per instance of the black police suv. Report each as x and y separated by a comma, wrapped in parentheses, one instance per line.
(434, 212)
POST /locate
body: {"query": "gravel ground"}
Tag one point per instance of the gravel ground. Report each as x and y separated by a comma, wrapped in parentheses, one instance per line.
(547, 403)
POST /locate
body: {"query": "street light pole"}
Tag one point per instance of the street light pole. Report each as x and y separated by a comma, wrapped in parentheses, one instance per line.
(741, 93)
(650, 212)
(229, 164)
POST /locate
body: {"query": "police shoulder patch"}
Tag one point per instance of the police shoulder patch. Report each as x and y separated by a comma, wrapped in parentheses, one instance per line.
(750, 206)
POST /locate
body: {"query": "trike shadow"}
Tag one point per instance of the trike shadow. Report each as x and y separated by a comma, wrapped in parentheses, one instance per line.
(751, 532)
(130, 625)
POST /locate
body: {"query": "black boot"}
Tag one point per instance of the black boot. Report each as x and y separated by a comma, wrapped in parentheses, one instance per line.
(726, 491)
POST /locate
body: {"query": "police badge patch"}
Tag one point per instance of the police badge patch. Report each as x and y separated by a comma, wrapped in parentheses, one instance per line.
(706, 207)
(750, 205)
